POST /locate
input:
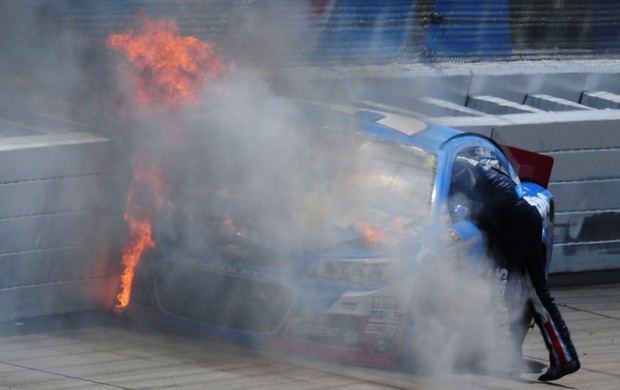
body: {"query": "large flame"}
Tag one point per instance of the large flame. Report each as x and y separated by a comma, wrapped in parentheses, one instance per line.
(170, 68)
(144, 195)
(138, 241)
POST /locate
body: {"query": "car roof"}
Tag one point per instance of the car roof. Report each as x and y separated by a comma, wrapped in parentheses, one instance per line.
(394, 127)
(405, 130)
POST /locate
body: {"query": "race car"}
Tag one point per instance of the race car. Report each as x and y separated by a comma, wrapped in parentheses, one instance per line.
(351, 296)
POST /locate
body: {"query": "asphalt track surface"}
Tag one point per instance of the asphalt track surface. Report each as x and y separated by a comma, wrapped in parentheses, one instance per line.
(100, 353)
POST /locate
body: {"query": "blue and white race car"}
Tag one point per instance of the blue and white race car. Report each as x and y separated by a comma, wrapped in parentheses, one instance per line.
(352, 298)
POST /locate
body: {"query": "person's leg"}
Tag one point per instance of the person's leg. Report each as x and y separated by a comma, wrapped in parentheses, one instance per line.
(553, 328)
(551, 323)
(562, 354)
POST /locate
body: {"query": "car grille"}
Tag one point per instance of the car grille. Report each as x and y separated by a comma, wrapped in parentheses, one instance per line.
(221, 300)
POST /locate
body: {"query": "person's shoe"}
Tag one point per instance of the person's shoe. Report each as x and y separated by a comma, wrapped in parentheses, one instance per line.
(556, 372)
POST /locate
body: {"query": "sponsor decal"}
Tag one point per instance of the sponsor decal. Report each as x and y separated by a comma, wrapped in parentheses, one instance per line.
(455, 236)
(385, 316)
(542, 203)
(383, 346)
(381, 329)
(318, 330)
(430, 161)
(451, 237)
(384, 302)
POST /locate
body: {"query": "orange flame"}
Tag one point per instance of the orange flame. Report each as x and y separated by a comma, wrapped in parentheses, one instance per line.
(372, 234)
(140, 207)
(170, 68)
(139, 240)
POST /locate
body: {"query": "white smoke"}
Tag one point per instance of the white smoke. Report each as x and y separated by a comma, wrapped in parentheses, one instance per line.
(253, 138)
(457, 324)
(245, 143)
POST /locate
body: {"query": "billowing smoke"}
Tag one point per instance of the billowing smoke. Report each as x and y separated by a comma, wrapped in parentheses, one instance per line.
(287, 182)
(458, 324)
(49, 65)
(242, 161)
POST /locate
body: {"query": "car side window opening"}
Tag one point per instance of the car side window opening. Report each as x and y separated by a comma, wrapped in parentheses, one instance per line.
(462, 203)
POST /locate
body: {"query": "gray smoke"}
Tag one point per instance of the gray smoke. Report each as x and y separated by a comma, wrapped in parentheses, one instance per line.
(243, 152)
(456, 322)
(255, 146)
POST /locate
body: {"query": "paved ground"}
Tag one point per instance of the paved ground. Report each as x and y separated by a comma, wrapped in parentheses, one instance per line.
(105, 354)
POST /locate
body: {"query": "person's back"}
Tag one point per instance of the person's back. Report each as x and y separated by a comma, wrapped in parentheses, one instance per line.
(514, 230)
(511, 224)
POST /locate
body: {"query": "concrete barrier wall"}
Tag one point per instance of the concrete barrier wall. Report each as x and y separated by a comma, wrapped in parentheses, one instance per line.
(57, 225)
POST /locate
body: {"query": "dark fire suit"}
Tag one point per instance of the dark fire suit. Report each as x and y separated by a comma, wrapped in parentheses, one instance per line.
(514, 229)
